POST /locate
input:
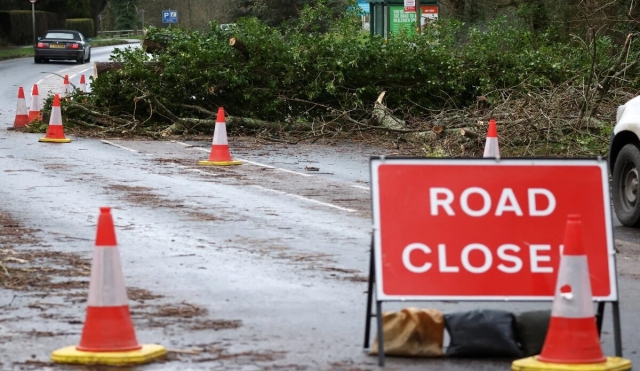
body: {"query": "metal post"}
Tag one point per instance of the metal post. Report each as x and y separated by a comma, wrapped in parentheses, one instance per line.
(33, 19)
(617, 335)
(142, 11)
(367, 328)
(418, 16)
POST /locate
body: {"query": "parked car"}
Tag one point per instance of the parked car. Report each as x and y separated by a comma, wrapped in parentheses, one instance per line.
(63, 45)
(624, 163)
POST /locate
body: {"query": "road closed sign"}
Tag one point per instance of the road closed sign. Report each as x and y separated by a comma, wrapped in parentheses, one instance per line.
(481, 229)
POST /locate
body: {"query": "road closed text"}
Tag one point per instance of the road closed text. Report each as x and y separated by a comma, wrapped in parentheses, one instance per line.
(420, 258)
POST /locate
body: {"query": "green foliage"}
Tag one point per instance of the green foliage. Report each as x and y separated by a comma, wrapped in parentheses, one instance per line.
(125, 14)
(18, 25)
(320, 62)
(78, 9)
(83, 25)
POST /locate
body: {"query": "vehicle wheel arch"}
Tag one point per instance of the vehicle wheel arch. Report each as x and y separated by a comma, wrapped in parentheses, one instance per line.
(619, 141)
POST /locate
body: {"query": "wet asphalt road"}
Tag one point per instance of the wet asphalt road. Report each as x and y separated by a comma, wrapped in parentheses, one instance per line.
(267, 243)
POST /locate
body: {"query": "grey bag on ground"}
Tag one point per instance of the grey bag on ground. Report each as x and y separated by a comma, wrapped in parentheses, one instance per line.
(531, 330)
(482, 333)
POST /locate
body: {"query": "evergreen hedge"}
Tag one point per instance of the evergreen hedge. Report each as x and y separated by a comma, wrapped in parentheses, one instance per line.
(82, 25)
(18, 25)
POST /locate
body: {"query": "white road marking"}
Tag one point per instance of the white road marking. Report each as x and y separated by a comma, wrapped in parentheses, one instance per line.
(253, 162)
(361, 187)
(306, 199)
(119, 146)
(257, 186)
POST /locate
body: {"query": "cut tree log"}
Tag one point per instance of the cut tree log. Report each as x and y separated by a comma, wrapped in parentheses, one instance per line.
(103, 67)
(152, 47)
(239, 46)
(383, 118)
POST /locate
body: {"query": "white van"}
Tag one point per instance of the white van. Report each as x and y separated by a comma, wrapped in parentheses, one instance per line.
(624, 163)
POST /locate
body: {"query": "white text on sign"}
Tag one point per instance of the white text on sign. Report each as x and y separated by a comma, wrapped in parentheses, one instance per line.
(442, 198)
(505, 253)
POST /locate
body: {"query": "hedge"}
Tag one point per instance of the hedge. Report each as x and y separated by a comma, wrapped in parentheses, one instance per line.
(18, 25)
(83, 25)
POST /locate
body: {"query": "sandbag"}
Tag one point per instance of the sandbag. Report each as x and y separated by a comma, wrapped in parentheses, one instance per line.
(482, 333)
(412, 332)
(531, 330)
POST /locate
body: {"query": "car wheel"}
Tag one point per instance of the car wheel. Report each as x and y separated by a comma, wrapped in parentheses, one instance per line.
(89, 59)
(45, 60)
(80, 60)
(37, 60)
(626, 184)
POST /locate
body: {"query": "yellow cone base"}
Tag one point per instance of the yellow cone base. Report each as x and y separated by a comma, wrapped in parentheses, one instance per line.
(66, 140)
(532, 364)
(148, 353)
(220, 163)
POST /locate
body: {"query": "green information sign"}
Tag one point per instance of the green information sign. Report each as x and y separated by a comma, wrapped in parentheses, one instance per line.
(398, 19)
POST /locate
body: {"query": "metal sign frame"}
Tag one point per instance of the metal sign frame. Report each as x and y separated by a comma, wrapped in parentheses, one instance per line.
(375, 260)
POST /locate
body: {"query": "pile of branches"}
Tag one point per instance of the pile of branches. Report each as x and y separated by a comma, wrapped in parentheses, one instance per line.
(431, 91)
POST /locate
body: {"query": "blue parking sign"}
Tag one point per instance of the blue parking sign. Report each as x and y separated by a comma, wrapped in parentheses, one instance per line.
(169, 16)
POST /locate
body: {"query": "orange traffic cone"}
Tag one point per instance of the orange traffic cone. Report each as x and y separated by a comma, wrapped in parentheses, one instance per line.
(55, 131)
(83, 84)
(572, 338)
(108, 336)
(22, 118)
(220, 154)
(66, 89)
(34, 111)
(491, 148)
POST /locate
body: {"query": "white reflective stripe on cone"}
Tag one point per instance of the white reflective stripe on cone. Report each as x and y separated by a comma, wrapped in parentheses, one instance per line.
(35, 103)
(21, 109)
(220, 134)
(107, 288)
(491, 148)
(56, 116)
(573, 273)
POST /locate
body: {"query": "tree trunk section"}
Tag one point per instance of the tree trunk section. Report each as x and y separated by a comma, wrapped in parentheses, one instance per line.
(239, 46)
(104, 67)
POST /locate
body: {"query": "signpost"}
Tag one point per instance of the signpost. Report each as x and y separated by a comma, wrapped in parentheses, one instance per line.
(485, 230)
(169, 16)
(33, 19)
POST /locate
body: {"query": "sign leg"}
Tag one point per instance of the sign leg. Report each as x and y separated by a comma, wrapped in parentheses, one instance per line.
(380, 333)
(600, 316)
(367, 328)
(617, 335)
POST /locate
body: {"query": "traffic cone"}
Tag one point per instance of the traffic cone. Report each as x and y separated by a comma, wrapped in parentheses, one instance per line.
(491, 148)
(83, 84)
(34, 111)
(572, 341)
(108, 336)
(55, 131)
(22, 118)
(220, 154)
(66, 89)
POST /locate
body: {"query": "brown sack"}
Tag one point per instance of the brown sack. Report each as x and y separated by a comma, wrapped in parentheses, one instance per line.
(412, 332)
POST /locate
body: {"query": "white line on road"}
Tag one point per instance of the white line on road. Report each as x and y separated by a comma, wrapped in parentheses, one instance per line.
(306, 199)
(361, 187)
(252, 162)
(257, 186)
(119, 146)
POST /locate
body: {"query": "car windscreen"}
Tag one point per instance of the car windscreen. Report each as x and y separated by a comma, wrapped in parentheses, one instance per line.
(61, 36)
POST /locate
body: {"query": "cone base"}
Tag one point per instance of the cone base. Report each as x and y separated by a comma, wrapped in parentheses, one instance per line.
(49, 140)
(533, 364)
(220, 163)
(148, 353)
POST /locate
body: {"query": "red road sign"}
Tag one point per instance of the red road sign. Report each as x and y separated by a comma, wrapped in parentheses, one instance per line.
(409, 6)
(481, 229)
